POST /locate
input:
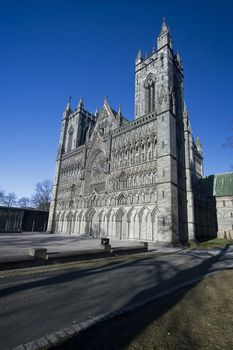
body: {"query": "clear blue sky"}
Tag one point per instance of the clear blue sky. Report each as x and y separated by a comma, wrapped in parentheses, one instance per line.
(53, 49)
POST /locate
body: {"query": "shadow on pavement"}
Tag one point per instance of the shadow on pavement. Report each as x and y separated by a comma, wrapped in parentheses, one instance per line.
(96, 338)
(149, 276)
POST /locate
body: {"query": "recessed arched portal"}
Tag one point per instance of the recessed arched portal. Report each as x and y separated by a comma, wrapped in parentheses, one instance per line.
(145, 224)
(92, 222)
(121, 224)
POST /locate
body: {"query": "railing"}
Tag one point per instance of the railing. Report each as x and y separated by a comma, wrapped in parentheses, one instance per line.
(136, 123)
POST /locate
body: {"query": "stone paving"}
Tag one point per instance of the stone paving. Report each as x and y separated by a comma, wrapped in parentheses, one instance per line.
(19, 243)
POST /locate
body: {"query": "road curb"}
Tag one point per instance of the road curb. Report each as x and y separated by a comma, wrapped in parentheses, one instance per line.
(62, 266)
(58, 337)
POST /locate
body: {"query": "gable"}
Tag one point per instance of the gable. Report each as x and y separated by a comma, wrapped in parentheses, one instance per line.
(106, 121)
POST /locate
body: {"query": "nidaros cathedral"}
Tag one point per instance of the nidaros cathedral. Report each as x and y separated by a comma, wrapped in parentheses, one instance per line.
(131, 180)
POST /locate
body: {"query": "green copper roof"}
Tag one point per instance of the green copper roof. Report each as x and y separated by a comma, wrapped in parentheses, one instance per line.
(223, 184)
(218, 185)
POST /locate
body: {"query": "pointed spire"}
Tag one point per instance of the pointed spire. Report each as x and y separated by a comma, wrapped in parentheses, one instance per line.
(153, 50)
(120, 110)
(68, 106)
(198, 144)
(105, 99)
(139, 57)
(67, 110)
(164, 37)
(147, 54)
(139, 54)
(81, 103)
(164, 29)
(96, 112)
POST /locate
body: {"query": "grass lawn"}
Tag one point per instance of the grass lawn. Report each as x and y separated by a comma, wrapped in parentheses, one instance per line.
(212, 243)
(195, 318)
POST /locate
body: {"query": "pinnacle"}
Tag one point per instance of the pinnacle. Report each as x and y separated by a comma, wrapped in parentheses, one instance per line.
(120, 110)
(164, 37)
(68, 106)
(139, 54)
(164, 28)
(178, 57)
(198, 144)
(81, 103)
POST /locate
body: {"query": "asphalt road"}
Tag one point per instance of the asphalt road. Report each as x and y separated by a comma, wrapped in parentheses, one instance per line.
(18, 243)
(31, 307)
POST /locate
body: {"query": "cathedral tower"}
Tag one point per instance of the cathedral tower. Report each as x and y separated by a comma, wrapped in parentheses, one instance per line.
(159, 90)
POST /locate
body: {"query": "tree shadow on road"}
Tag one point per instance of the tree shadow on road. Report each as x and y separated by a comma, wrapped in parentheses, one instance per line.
(150, 276)
(103, 336)
(67, 276)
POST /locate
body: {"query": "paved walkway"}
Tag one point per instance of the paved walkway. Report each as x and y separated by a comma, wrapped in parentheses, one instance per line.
(33, 306)
(19, 243)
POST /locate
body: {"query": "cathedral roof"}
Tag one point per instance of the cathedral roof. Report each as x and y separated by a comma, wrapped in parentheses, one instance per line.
(218, 185)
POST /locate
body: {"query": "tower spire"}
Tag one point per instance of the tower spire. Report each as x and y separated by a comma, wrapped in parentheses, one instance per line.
(164, 29)
(164, 37)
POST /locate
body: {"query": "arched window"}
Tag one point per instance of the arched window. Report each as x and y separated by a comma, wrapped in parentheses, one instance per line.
(150, 93)
(70, 139)
(85, 134)
(143, 152)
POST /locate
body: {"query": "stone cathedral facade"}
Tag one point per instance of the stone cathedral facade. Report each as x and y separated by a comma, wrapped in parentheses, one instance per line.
(131, 180)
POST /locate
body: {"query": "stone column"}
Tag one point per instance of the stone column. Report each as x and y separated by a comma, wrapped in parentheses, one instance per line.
(128, 230)
(189, 192)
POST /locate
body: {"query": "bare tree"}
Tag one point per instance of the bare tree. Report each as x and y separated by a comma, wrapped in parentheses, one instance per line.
(2, 196)
(10, 199)
(24, 202)
(42, 196)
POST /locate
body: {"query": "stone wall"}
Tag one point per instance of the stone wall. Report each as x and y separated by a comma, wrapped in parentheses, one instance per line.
(126, 179)
(224, 207)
